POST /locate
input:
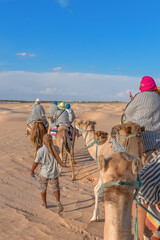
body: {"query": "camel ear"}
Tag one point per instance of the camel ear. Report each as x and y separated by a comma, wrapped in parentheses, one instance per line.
(87, 122)
(136, 166)
(103, 162)
(143, 128)
(79, 121)
(94, 123)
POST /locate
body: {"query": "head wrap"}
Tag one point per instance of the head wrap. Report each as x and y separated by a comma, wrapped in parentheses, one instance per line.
(55, 102)
(62, 106)
(37, 100)
(68, 105)
(47, 141)
(147, 84)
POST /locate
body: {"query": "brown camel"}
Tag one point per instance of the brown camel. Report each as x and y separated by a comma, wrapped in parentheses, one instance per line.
(63, 142)
(128, 136)
(37, 132)
(120, 166)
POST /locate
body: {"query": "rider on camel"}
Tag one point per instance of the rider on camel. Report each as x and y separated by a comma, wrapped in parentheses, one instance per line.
(38, 113)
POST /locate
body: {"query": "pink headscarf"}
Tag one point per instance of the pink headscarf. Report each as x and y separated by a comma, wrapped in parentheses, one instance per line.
(147, 84)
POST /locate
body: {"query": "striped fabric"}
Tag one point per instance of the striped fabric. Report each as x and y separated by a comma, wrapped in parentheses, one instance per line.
(150, 175)
(144, 109)
(53, 131)
(30, 125)
(152, 229)
(156, 235)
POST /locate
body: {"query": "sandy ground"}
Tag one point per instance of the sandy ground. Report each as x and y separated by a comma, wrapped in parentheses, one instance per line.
(21, 215)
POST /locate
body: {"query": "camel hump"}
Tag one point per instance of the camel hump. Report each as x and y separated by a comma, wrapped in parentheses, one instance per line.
(101, 136)
(63, 127)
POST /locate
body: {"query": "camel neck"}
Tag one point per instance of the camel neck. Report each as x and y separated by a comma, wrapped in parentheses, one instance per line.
(118, 219)
(89, 138)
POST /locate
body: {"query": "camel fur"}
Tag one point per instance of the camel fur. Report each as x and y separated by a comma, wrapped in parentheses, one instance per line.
(118, 199)
(63, 142)
(133, 146)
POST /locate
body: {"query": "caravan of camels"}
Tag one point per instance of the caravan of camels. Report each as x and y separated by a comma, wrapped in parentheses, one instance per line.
(95, 158)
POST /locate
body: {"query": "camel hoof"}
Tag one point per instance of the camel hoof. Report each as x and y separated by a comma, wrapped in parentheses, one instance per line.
(94, 219)
(73, 179)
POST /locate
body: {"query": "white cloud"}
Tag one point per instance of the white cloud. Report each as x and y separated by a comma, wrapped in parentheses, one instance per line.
(67, 86)
(26, 54)
(21, 54)
(57, 68)
(120, 94)
(32, 55)
(63, 3)
(47, 91)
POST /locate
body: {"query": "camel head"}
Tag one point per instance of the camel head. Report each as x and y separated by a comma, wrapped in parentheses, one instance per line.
(86, 125)
(119, 166)
(50, 120)
(101, 136)
(129, 136)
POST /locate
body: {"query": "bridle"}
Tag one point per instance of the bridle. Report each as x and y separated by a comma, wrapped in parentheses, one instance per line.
(124, 148)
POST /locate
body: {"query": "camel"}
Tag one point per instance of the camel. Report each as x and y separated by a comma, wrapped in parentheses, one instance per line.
(63, 141)
(37, 132)
(128, 136)
(119, 177)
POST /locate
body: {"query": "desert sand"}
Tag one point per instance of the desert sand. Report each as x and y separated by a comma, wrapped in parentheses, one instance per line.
(21, 215)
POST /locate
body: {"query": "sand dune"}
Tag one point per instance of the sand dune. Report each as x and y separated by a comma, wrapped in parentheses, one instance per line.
(21, 214)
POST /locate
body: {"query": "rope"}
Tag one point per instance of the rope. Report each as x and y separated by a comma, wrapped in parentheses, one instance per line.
(34, 178)
(124, 149)
(152, 214)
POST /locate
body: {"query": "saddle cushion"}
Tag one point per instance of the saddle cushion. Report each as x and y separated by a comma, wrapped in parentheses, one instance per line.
(30, 125)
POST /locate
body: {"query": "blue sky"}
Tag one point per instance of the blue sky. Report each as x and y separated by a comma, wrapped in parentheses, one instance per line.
(77, 50)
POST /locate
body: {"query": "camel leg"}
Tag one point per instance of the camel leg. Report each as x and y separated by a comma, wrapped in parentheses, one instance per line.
(61, 156)
(97, 189)
(71, 164)
(66, 157)
(72, 154)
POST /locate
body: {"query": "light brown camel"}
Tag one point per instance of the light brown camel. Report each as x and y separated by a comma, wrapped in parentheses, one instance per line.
(128, 135)
(120, 166)
(63, 142)
(37, 132)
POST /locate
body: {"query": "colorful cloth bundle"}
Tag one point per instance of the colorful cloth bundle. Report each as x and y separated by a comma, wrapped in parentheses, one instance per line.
(70, 135)
(30, 125)
(54, 131)
(152, 226)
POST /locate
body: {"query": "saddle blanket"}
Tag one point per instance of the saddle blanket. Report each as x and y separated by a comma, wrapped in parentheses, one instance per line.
(30, 125)
(54, 130)
(152, 226)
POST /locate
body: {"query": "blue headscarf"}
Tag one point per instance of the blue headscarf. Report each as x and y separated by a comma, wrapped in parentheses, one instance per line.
(55, 102)
(68, 105)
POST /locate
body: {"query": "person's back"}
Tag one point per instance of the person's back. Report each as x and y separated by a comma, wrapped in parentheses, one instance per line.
(49, 166)
(61, 117)
(38, 112)
(144, 109)
(70, 112)
(53, 108)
